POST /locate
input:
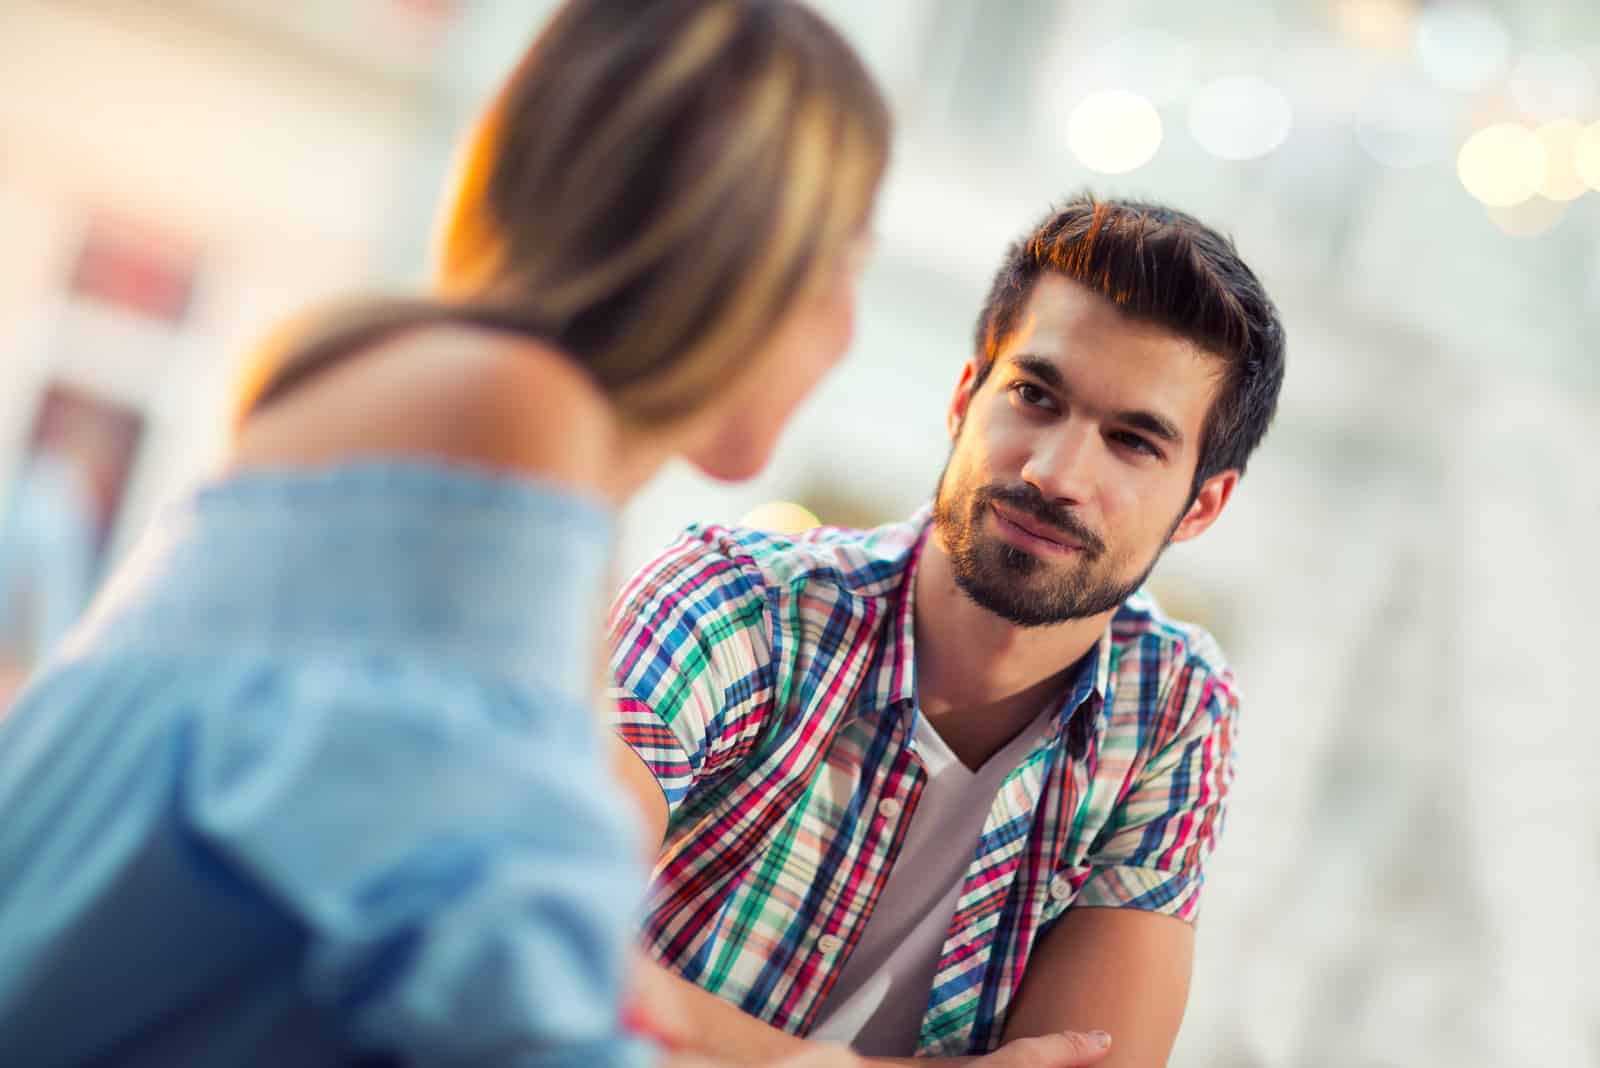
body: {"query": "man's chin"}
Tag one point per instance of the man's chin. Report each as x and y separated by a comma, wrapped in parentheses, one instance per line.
(1016, 612)
(1004, 592)
(1009, 581)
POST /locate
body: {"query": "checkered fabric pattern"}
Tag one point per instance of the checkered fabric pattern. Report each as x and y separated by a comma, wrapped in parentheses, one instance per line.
(768, 682)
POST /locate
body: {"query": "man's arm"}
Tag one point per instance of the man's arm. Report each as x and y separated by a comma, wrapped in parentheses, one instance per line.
(717, 1029)
(726, 1034)
(1122, 955)
(1121, 969)
(710, 1025)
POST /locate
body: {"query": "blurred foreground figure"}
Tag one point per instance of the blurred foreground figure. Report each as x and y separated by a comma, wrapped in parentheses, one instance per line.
(319, 779)
(943, 786)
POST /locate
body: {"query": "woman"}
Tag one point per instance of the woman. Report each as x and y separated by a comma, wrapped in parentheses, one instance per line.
(318, 780)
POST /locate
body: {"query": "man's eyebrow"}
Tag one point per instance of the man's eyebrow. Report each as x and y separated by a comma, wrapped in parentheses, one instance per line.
(1152, 423)
(1043, 370)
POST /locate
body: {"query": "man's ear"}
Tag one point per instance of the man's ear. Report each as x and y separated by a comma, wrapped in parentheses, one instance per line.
(956, 414)
(1207, 505)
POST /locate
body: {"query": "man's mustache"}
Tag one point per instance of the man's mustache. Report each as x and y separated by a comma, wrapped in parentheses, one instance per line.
(1027, 499)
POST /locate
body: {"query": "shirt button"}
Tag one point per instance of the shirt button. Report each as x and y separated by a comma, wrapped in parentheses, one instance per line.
(828, 945)
(888, 808)
(1060, 889)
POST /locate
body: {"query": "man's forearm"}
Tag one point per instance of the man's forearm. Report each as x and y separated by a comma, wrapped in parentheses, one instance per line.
(717, 1029)
(711, 1027)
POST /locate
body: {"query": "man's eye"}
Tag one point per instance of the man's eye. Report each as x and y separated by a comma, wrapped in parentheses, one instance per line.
(1135, 442)
(1029, 394)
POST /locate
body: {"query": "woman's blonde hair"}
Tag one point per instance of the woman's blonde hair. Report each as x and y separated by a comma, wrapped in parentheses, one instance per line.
(652, 190)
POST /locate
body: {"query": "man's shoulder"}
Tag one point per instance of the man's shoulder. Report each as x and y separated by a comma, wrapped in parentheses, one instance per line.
(844, 560)
(1151, 647)
(734, 596)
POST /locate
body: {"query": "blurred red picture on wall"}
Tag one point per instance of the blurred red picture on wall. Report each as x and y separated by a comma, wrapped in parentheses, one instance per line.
(135, 270)
(56, 517)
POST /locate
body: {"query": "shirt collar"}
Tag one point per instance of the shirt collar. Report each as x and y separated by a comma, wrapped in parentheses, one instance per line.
(1079, 714)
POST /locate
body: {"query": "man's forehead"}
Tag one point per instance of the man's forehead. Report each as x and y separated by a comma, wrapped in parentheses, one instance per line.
(1059, 308)
(1094, 347)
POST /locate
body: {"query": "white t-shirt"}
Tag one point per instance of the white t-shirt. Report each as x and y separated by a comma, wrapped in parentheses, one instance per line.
(878, 1002)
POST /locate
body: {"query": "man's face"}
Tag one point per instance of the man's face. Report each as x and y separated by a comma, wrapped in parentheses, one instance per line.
(1072, 464)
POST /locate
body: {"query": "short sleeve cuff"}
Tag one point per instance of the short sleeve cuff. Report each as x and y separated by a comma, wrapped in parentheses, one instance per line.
(654, 743)
(1126, 886)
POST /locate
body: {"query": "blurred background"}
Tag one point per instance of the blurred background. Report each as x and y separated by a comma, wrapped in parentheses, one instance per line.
(1406, 582)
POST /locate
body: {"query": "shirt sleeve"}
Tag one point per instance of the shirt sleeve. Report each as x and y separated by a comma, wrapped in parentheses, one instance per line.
(1153, 853)
(463, 874)
(690, 655)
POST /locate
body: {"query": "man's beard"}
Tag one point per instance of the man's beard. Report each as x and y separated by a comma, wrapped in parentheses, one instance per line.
(1016, 585)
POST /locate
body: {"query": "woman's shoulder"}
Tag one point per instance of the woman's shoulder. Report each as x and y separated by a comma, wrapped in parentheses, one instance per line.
(451, 392)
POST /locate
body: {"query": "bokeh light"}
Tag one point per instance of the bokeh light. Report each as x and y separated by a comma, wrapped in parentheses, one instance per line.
(1586, 156)
(1503, 164)
(781, 517)
(1462, 46)
(1114, 131)
(1377, 25)
(1562, 182)
(1240, 118)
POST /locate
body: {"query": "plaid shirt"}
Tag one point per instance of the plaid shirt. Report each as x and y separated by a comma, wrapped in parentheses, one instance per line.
(768, 682)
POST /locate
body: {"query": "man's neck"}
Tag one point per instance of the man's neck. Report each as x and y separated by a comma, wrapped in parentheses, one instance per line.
(980, 679)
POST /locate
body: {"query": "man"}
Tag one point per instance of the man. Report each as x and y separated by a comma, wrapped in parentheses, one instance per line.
(947, 784)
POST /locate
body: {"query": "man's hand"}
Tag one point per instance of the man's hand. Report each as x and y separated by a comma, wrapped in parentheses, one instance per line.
(1060, 1049)
(13, 674)
(823, 1056)
(653, 1008)
(656, 1011)
(1065, 1049)
(679, 1016)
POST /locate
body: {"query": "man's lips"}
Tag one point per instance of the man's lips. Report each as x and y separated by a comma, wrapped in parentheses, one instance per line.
(1034, 530)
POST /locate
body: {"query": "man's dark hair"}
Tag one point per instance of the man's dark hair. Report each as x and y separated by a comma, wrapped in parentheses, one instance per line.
(1167, 268)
